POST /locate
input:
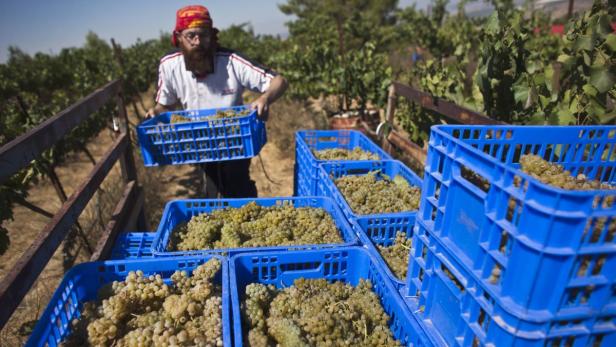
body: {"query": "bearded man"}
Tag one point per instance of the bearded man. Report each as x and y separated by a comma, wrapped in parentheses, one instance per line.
(203, 75)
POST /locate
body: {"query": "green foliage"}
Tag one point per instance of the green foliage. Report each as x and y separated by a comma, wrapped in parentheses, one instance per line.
(138, 65)
(588, 74)
(242, 38)
(338, 47)
(501, 64)
(35, 88)
(525, 74)
(415, 120)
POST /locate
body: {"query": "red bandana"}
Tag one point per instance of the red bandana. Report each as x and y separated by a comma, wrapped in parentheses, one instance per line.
(195, 16)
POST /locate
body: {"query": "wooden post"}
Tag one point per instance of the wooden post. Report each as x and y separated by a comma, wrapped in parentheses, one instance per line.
(389, 116)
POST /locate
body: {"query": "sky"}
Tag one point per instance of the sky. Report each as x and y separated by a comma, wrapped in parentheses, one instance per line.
(49, 25)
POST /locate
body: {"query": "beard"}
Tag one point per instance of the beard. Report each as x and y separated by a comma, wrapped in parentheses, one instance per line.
(198, 60)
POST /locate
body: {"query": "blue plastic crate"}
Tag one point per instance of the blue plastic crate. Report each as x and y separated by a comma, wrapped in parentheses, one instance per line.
(180, 211)
(341, 264)
(552, 250)
(452, 304)
(375, 229)
(330, 171)
(200, 141)
(132, 246)
(307, 166)
(82, 283)
(381, 231)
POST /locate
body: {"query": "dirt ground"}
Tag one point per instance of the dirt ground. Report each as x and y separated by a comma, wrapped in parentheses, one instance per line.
(272, 172)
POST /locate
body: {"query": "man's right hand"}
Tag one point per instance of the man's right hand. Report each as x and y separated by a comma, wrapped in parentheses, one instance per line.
(150, 113)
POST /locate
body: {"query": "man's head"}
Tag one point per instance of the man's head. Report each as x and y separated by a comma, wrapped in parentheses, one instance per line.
(195, 34)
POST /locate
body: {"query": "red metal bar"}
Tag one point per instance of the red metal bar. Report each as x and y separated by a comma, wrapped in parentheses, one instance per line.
(443, 107)
(407, 146)
(125, 217)
(18, 281)
(19, 152)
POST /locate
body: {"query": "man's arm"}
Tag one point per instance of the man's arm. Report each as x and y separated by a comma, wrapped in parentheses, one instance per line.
(277, 87)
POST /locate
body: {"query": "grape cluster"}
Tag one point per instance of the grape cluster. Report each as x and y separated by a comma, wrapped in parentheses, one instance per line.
(178, 118)
(344, 154)
(314, 312)
(555, 175)
(145, 311)
(220, 114)
(253, 225)
(376, 193)
(397, 255)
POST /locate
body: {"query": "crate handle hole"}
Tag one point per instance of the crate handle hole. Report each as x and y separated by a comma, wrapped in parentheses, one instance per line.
(453, 278)
(496, 274)
(475, 179)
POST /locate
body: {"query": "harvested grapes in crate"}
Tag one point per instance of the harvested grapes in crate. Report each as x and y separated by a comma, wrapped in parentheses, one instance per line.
(344, 154)
(375, 193)
(149, 311)
(231, 226)
(313, 312)
(253, 225)
(396, 256)
(220, 114)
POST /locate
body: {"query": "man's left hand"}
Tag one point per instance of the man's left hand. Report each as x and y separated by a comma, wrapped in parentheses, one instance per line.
(262, 107)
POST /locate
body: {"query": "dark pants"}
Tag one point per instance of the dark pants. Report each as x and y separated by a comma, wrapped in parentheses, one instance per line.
(230, 179)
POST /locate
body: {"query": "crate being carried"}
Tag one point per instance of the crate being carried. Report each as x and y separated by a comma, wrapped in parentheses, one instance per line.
(375, 229)
(348, 265)
(84, 282)
(201, 136)
(258, 215)
(546, 255)
(350, 144)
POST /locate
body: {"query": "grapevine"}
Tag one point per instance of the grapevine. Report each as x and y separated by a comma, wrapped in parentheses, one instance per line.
(376, 193)
(314, 312)
(145, 311)
(255, 226)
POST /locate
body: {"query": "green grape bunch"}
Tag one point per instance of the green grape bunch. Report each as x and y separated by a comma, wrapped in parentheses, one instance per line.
(396, 256)
(376, 193)
(344, 154)
(313, 312)
(220, 114)
(253, 225)
(555, 175)
(146, 311)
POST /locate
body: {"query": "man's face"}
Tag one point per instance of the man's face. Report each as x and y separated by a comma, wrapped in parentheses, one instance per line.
(196, 45)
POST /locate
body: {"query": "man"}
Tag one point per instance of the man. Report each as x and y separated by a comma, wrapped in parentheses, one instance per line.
(202, 75)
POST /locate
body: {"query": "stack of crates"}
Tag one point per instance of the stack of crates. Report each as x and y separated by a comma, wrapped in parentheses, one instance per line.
(306, 178)
(316, 177)
(347, 261)
(373, 230)
(499, 258)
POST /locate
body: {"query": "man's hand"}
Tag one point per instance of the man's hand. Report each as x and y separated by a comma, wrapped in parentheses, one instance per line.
(262, 107)
(157, 109)
(150, 113)
(277, 87)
